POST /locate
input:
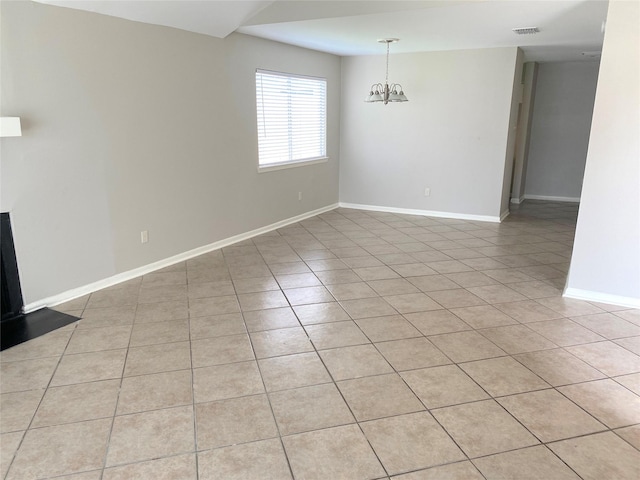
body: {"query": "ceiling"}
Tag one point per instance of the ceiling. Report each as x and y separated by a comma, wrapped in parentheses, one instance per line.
(568, 28)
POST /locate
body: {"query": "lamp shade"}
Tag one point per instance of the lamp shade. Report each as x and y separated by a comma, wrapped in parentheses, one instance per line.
(10, 127)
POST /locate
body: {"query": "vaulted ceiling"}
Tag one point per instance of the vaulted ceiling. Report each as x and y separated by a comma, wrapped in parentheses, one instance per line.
(568, 28)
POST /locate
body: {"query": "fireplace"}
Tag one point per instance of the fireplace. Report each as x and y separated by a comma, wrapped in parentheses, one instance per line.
(16, 326)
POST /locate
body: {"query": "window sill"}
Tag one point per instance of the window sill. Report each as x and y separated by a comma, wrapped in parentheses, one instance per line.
(282, 166)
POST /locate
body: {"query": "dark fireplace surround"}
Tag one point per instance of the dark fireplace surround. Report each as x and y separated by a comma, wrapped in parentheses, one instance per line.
(16, 326)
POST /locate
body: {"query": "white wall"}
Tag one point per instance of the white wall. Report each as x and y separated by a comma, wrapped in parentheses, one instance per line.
(451, 136)
(560, 128)
(605, 264)
(130, 127)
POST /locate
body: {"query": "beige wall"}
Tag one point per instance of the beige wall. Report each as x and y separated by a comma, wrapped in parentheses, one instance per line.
(130, 127)
(451, 136)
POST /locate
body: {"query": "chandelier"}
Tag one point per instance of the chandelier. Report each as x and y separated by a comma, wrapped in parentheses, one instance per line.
(386, 93)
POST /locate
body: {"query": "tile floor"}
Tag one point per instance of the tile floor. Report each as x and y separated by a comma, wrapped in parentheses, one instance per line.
(353, 345)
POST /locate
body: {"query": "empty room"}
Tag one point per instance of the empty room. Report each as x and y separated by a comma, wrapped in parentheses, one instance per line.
(351, 240)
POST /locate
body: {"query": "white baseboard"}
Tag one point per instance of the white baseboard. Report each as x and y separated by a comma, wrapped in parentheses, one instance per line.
(425, 213)
(517, 200)
(551, 198)
(181, 257)
(599, 297)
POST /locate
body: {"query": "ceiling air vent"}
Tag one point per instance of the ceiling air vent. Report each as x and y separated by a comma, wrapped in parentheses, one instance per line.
(526, 30)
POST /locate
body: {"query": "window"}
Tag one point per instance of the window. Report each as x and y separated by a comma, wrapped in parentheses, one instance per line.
(291, 118)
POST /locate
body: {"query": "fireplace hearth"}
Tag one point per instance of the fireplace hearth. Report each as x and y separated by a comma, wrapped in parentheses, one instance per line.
(16, 326)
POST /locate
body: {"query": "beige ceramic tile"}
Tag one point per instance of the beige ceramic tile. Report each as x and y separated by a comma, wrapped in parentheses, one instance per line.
(108, 317)
(89, 367)
(456, 298)
(162, 293)
(155, 391)
(393, 286)
(320, 313)
(443, 386)
(471, 279)
(569, 307)
(262, 300)
(503, 376)
(221, 350)
(411, 353)
(339, 452)
(77, 403)
(609, 358)
(232, 421)
(335, 334)
(517, 339)
(162, 312)
(354, 362)
(528, 311)
(149, 435)
(483, 316)
(631, 435)
(180, 467)
(631, 343)
(497, 294)
(379, 396)
(558, 367)
(309, 408)
(453, 471)
(608, 325)
(216, 326)
(293, 371)
(210, 289)
(412, 302)
(632, 382)
(483, 428)
(17, 409)
(550, 416)
(410, 442)
(351, 291)
(26, 374)
(368, 307)
(254, 285)
(158, 358)
(308, 295)
(226, 381)
(526, 464)
(466, 346)
(98, 339)
(271, 319)
(599, 456)
(61, 450)
(436, 322)
(375, 273)
(204, 307)
(262, 460)
(612, 404)
(564, 332)
(431, 283)
(393, 327)
(9, 443)
(159, 332)
(285, 341)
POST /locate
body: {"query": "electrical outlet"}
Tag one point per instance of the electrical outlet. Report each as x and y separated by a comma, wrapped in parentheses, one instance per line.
(299, 195)
(144, 236)
(427, 191)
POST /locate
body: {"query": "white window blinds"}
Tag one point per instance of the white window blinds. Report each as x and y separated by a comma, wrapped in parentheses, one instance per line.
(291, 117)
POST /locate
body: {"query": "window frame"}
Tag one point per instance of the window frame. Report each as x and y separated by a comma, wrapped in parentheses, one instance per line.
(265, 167)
